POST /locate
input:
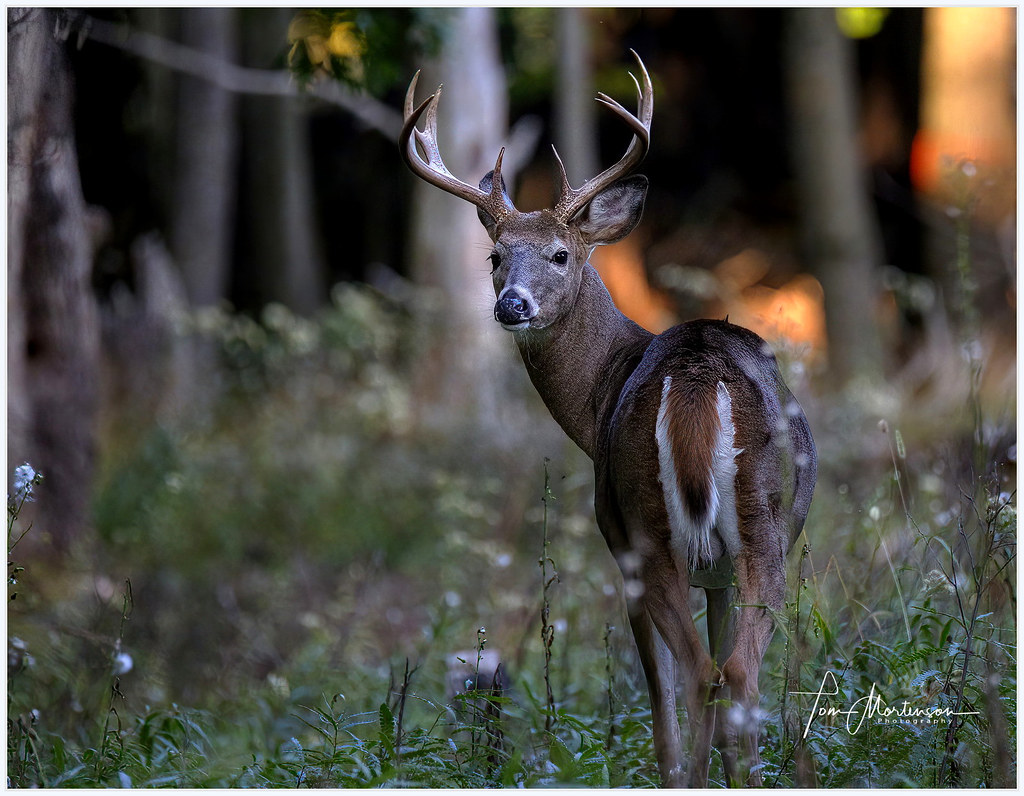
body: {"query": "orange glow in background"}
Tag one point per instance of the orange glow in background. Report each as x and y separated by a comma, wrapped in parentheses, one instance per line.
(967, 113)
(968, 106)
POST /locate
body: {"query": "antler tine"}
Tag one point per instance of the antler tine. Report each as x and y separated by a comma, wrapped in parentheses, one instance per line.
(428, 140)
(572, 200)
(407, 140)
(566, 187)
(639, 128)
(496, 195)
(410, 95)
(430, 166)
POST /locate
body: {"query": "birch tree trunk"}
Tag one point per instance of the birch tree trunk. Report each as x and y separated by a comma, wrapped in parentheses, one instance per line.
(463, 373)
(840, 237)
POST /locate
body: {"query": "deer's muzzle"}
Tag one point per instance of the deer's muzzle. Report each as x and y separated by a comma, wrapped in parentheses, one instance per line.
(514, 309)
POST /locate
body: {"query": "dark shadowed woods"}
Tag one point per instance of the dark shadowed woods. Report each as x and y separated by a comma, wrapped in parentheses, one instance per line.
(292, 468)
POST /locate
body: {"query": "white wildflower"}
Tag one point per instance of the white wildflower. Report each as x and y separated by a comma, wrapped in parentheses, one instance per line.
(24, 481)
(17, 654)
(279, 685)
(123, 663)
(744, 719)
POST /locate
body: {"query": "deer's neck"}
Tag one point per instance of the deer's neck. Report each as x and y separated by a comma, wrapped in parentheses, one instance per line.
(580, 364)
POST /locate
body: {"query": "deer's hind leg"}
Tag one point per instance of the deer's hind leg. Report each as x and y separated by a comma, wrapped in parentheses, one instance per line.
(660, 671)
(761, 589)
(666, 598)
(721, 627)
(656, 658)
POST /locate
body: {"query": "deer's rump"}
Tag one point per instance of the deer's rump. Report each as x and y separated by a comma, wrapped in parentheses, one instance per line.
(700, 404)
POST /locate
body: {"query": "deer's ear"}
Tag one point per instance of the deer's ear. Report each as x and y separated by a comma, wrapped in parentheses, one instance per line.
(614, 212)
(485, 218)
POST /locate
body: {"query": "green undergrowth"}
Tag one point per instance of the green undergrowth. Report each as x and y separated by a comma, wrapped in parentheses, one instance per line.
(299, 587)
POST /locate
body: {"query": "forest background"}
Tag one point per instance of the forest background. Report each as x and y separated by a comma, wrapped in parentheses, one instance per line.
(290, 485)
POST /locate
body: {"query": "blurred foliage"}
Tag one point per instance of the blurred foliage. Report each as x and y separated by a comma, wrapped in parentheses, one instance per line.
(861, 23)
(369, 48)
(327, 44)
(377, 48)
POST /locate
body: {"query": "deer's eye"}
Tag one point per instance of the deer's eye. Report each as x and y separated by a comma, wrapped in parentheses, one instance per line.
(560, 258)
(495, 259)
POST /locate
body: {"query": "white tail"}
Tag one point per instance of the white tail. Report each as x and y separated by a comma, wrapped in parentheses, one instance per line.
(703, 460)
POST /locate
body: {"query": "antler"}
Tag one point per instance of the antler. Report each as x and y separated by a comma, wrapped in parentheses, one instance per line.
(432, 168)
(572, 200)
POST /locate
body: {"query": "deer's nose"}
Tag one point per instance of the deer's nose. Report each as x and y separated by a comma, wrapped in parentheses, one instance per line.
(512, 309)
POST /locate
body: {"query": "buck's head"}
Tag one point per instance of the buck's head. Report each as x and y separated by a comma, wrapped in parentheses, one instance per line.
(538, 257)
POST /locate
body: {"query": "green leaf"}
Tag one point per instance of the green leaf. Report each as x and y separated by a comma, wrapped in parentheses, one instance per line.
(563, 759)
(387, 730)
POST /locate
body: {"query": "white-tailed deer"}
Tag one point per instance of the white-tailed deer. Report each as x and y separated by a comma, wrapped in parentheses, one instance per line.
(703, 459)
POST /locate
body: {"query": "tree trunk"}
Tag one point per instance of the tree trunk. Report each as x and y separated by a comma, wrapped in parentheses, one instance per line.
(464, 371)
(53, 328)
(157, 109)
(575, 109)
(839, 233)
(280, 243)
(203, 215)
